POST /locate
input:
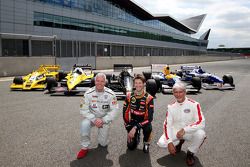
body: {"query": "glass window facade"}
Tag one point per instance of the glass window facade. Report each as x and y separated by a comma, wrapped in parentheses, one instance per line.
(105, 9)
(55, 21)
(69, 48)
(41, 48)
(15, 47)
(109, 9)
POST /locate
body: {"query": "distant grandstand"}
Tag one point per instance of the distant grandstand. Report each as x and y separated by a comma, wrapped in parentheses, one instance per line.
(243, 51)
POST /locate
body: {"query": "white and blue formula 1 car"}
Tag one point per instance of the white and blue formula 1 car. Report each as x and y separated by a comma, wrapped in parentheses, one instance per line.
(165, 79)
(209, 81)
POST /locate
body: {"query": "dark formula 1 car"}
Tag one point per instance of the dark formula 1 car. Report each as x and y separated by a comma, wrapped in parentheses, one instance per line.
(165, 79)
(123, 83)
(209, 81)
(79, 79)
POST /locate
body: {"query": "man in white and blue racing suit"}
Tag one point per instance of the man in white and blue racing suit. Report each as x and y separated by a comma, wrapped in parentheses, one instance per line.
(99, 108)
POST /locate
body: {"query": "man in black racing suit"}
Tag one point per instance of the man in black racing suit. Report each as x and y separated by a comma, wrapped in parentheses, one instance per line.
(138, 112)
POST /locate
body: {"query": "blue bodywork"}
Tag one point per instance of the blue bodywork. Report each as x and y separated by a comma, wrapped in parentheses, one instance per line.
(201, 73)
(170, 81)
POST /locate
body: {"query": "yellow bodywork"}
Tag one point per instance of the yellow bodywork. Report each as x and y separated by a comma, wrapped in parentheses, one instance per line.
(167, 73)
(170, 76)
(74, 79)
(37, 79)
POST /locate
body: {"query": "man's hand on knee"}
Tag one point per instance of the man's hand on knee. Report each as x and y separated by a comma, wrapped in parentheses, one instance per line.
(98, 122)
(180, 134)
(171, 148)
(131, 133)
(129, 139)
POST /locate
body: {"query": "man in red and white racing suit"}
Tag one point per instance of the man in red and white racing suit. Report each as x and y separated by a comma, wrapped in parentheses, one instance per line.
(99, 108)
(184, 121)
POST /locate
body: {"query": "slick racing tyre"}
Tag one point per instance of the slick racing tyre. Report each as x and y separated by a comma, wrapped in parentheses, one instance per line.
(179, 73)
(151, 87)
(61, 75)
(147, 75)
(51, 83)
(108, 77)
(158, 83)
(196, 82)
(92, 83)
(18, 80)
(228, 79)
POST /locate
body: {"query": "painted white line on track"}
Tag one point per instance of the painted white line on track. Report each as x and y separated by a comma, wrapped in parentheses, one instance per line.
(6, 79)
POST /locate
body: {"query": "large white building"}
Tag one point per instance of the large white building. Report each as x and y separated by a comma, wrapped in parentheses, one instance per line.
(88, 29)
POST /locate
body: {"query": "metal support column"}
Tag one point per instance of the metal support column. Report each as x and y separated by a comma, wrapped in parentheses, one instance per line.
(30, 47)
(79, 49)
(1, 53)
(54, 48)
(110, 50)
(124, 53)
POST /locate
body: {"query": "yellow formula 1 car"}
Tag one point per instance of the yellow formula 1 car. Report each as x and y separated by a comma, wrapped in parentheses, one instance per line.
(79, 79)
(37, 79)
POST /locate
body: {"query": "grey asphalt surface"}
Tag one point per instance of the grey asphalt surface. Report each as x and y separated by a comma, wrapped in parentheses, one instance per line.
(37, 129)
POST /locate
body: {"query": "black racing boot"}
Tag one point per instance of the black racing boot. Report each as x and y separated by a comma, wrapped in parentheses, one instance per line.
(178, 146)
(190, 158)
(146, 148)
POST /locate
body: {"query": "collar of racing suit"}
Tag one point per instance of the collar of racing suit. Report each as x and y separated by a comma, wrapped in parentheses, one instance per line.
(139, 96)
(97, 91)
(182, 102)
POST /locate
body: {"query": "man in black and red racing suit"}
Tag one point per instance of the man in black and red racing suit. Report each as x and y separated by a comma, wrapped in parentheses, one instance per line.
(138, 112)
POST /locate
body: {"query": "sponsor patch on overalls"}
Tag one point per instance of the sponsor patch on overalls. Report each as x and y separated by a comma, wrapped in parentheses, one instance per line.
(187, 111)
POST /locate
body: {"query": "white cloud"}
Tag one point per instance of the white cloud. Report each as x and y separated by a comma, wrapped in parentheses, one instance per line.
(229, 20)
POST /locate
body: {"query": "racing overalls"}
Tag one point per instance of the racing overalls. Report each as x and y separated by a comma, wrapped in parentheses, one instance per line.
(138, 111)
(97, 105)
(186, 115)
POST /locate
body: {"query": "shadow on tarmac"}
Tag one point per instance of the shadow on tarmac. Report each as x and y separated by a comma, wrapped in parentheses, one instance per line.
(135, 158)
(177, 160)
(95, 157)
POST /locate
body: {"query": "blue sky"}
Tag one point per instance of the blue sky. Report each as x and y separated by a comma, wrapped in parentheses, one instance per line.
(229, 20)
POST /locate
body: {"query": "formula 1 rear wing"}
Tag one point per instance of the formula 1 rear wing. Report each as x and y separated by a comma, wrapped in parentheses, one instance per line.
(121, 67)
(83, 66)
(49, 67)
(155, 68)
(188, 68)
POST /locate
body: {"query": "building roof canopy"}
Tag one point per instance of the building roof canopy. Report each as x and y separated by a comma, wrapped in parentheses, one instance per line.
(189, 26)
